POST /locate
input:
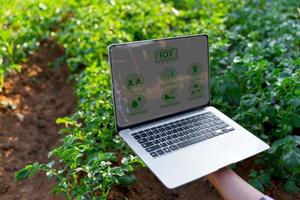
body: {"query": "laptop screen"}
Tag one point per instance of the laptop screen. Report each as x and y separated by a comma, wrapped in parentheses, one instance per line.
(156, 78)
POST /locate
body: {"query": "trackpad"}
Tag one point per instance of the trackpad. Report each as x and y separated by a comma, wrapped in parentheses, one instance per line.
(211, 155)
(191, 163)
(242, 145)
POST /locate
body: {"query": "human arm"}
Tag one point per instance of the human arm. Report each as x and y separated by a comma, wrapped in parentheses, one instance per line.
(232, 187)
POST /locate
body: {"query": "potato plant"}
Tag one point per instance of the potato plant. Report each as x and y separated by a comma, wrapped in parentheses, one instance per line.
(24, 24)
(255, 79)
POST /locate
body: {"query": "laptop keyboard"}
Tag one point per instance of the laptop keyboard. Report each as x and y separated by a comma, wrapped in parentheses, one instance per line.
(178, 134)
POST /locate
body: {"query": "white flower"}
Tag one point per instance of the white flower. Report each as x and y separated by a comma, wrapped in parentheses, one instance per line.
(105, 163)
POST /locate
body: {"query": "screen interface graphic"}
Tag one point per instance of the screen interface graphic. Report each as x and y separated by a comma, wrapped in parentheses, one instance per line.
(157, 78)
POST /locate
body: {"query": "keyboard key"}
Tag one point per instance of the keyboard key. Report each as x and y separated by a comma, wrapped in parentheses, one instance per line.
(147, 144)
(208, 135)
(223, 125)
(153, 148)
(155, 131)
(215, 133)
(193, 135)
(164, 134)
(151, 138)
(153, 154)
(142, 140)
(231, 129)
(167, 149)
(187, 137)
(162, 139)
(143, 135)
(209, 130)
(156, 136)
(174, 147)
(134, 134)
(174, 130)
(169, 132)
(207, 125)
(192, 130)
(163, 144)
(192, 141)
(137, 137)
(156, 141)
(214, 128)
(218, 121)
(175, 141)
(160, 152)
(170, 142)
(169, 137)
(150, 133)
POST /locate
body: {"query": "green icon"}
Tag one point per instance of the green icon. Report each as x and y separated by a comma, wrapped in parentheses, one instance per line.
(134, 82)
(168, 75)
(196, 89)
(195, 69)
(169, 95)
(136, 103)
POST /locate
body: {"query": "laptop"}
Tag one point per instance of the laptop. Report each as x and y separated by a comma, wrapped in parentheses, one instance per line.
(161, 94)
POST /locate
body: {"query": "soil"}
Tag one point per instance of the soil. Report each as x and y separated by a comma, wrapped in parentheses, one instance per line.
(148, 187)
(30, 103)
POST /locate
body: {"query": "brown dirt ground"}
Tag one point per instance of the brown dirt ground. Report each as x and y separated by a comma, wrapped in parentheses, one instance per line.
(28, 133)
(148, 187)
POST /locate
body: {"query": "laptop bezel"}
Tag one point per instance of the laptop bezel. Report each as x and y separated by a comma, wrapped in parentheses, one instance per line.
(119, 128)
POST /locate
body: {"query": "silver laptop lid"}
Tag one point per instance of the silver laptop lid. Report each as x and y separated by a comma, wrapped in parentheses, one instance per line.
(157, 78)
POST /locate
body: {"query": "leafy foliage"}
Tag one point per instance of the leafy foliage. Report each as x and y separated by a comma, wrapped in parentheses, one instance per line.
(24, 24)
(255, 78)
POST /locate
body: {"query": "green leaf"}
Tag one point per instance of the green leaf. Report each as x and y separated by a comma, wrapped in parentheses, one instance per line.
(292, 160)
(28, 171)
(127, 180)
(290, 186)
(257, 184)
(253, 173)
(248, 100)
(66, 120)
(22, 174)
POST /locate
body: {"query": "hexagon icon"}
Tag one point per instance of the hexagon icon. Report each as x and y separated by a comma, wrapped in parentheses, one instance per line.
(196, 89)
(134, 82)
(169, 95)
(136, 103)
(195, 69)
(168, 74)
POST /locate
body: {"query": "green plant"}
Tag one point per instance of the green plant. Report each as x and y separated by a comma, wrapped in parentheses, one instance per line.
(24, 24)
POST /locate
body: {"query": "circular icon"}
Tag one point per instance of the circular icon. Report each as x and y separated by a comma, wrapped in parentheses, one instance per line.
(136, 103)
(195, 89)
(134, 82)
(169, 95)
(194, 69)
(168, 75)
